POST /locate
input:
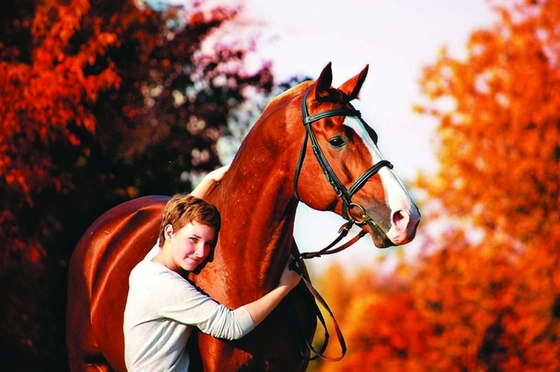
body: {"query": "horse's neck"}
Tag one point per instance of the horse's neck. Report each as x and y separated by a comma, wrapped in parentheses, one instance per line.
(254, 241)
(258, 207)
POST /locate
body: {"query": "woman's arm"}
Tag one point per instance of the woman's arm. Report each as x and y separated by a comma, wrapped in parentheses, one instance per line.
(260, 308)
(209, 182)
(171, 296)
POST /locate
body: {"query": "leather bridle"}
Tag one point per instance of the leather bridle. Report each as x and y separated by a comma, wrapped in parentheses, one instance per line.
(344, 193)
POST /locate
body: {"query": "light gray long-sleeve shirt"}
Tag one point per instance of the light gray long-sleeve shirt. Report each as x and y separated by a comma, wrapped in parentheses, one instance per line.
(161, 310)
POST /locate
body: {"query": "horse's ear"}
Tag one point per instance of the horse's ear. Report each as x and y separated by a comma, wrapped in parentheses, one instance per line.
(323, 83)
(352, 87)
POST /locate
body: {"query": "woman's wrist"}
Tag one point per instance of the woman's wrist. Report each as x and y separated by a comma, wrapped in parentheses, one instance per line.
(284, 289)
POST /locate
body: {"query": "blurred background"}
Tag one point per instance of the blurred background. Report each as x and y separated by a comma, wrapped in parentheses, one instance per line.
(104, 101)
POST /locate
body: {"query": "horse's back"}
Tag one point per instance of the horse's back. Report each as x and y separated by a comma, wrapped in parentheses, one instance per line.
(98, 281)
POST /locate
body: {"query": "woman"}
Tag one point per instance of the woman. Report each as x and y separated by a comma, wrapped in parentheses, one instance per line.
(163, 307)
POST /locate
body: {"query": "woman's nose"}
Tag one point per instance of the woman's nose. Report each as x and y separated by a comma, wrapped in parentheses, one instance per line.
(200, 250)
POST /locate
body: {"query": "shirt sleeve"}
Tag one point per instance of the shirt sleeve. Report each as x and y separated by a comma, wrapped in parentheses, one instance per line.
(177, 299)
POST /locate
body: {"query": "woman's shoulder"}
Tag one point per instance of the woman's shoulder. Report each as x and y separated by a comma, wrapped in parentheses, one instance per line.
(151, 269)
(161, 286)
(147, 266)
(154, 276)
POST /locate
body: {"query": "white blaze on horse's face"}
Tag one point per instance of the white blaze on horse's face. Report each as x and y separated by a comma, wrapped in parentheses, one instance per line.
(404, 213)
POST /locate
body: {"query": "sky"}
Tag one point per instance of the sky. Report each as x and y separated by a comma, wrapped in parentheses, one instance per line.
(396, 38)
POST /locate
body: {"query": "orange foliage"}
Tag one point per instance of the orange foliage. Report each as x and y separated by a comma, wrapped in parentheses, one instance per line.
(97, 101)
(43, 98)
(485, 293)
(498, 112)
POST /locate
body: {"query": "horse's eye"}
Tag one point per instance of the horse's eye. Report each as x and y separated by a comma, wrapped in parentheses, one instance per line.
(337, 141)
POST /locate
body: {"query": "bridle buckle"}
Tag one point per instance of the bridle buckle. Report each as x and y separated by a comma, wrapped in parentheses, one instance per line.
(365, 218)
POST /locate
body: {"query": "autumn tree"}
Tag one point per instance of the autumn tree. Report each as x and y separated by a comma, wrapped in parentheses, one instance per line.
(499, 155)
(485, 293)
(101, 101)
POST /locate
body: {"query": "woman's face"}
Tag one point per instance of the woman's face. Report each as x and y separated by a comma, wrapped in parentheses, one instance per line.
(190, 245)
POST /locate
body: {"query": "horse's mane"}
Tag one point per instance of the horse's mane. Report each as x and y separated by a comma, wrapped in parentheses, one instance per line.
(289, 94)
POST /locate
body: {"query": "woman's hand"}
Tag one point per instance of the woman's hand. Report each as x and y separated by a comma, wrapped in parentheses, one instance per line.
(218, 174)
(209, 182)
(289, 278)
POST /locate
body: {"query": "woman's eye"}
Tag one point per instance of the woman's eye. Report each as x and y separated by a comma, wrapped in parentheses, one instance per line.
(336, 141)
(193, 239)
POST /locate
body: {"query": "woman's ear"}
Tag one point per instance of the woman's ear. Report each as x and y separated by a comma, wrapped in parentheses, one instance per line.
(168, 230)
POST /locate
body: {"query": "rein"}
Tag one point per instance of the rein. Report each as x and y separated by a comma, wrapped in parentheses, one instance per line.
(346, 196)
(297, 331)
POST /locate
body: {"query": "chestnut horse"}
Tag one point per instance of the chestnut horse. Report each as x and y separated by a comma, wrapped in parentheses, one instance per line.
(274, 169)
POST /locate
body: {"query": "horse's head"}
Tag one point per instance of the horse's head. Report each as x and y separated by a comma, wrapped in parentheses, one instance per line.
(359, 185)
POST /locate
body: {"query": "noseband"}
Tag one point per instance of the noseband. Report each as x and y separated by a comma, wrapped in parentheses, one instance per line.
(344, 193)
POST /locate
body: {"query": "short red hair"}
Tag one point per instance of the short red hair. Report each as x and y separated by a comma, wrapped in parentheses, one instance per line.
(183, 209)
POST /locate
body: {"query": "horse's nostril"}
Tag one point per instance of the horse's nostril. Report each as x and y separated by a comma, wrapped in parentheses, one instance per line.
(400, 220)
